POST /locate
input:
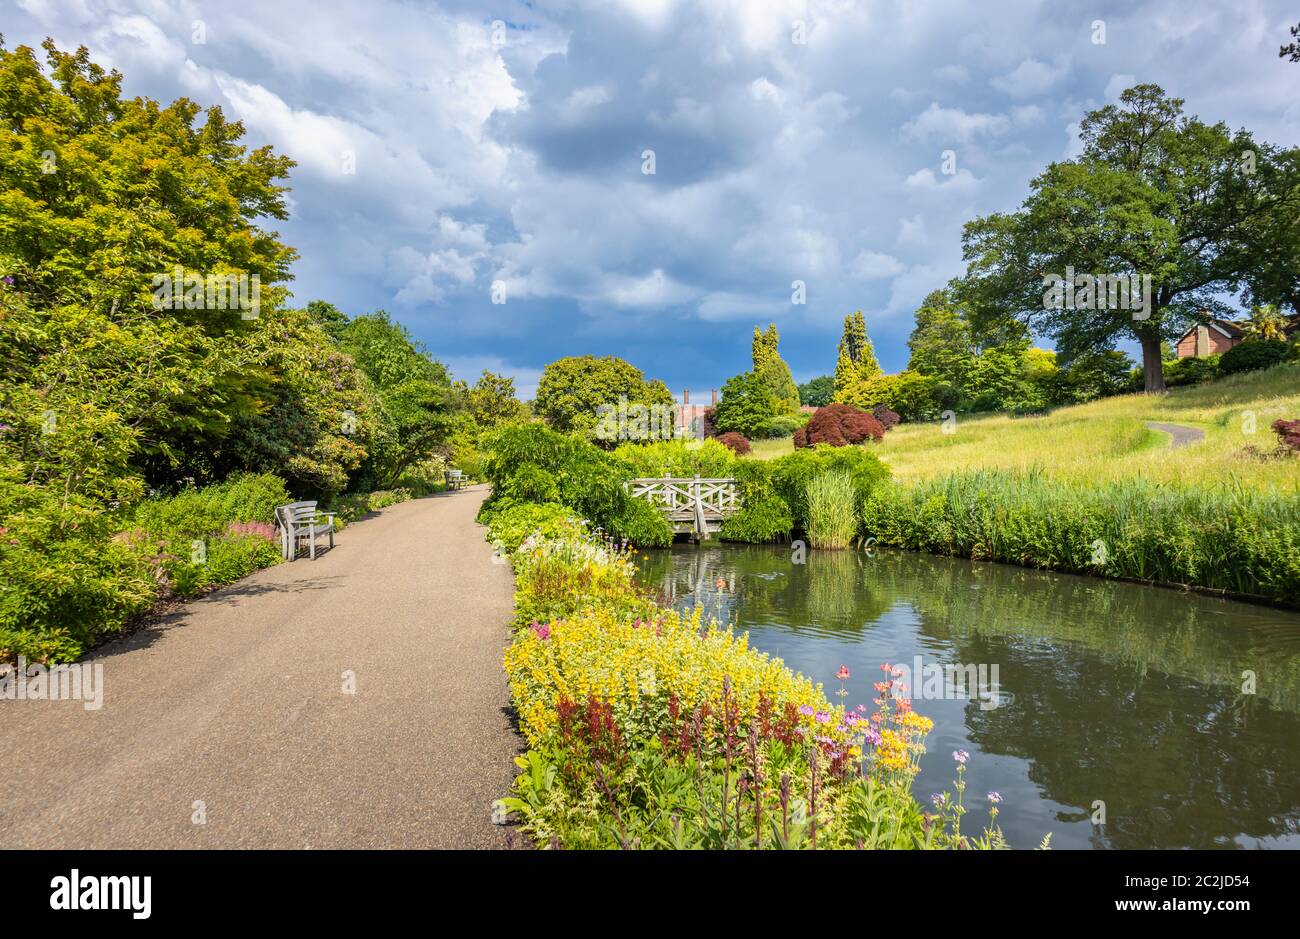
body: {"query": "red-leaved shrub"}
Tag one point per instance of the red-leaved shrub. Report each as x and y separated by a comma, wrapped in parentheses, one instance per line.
(738, 443)
(888, 418)
(838, 425)
(1288, 433)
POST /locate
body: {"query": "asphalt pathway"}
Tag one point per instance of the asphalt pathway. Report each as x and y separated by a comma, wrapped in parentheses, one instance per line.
(228, 724)
(1179, 436)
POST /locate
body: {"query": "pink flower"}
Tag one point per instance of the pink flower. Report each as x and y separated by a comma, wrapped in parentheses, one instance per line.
(540, 631)
(843, 673)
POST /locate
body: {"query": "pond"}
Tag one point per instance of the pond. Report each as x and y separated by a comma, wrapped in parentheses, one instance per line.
(1177, 715)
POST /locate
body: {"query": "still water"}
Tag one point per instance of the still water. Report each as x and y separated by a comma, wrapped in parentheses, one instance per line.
(1110, 695)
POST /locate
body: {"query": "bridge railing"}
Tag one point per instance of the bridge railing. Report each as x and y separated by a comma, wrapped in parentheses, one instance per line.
(704, 502)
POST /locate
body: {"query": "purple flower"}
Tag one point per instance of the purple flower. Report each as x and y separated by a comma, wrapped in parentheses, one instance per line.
(806, 710)
(939, 798)
(9, 281)
(823, 717)
(961, 756)
(995, 797)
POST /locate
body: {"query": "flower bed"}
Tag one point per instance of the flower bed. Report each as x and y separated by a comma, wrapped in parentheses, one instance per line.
(650, 728)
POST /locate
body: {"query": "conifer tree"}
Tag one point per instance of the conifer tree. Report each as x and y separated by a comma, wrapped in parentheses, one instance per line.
(857, 356)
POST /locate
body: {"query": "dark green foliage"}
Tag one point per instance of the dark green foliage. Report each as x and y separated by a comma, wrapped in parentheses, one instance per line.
(791, 474)
(1094, 375)
(818, 391)
(1255, 353)
(747, 405)
(531, 483)
(783, 425)
(1157, 193)
(1191, 371)
(762, 519)
(588, 480)
(639, 523)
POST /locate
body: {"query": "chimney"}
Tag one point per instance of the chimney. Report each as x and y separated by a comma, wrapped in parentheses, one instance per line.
(715, 395)
(686, 396)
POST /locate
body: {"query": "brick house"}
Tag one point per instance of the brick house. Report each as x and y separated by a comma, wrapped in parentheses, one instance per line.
(1218, 336)
(1213, 338)
(690, 415)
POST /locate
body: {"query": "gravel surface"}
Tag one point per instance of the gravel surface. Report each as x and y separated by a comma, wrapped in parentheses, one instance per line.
(237, 701)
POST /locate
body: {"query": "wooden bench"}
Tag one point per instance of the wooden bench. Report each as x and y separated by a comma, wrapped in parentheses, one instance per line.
(299, 520)
(455, 479)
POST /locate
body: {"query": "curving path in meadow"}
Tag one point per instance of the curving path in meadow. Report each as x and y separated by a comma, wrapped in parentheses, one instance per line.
(1179, 435)
(237, 701)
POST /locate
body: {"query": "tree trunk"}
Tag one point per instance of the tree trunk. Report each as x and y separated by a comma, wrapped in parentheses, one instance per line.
(1152, 368)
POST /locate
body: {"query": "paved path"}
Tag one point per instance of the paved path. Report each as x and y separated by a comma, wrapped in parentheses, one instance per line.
(237, 701)
(1179, 436)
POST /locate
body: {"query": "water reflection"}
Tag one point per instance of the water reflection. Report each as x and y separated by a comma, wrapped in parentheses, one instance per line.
(1117, 694)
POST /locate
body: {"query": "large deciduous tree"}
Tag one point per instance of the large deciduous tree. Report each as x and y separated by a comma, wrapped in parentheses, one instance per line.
(419, 408)
(1195, 207)
(573, 390)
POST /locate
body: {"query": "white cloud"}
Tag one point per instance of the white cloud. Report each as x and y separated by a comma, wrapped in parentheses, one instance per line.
(875, 265)
(953, 125)
(1118, 84)
(1029, 79)
(911, 231)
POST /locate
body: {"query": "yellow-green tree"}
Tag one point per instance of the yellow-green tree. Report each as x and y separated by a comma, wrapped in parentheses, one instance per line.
(857, 357)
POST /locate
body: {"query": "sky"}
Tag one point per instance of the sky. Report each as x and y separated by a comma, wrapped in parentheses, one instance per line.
(455, 154)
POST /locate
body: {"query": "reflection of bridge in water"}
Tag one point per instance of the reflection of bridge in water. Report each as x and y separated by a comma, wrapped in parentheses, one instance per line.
(693, 505)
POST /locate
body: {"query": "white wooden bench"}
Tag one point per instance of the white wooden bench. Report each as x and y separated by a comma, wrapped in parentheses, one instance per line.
(301, 520)
(455, 479)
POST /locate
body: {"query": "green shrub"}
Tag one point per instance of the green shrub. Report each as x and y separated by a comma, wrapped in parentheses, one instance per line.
(228, 559)
(641, 524)
(707, 458)
(424, 478)
(1191, 370)
(516, 521)
(762, 519)
(195, 513)
(832, 510)
(783, 425)
(531, 483)
(792, 473)
(587, 480)
(1255, 353)
(357, 505)
(66, 582)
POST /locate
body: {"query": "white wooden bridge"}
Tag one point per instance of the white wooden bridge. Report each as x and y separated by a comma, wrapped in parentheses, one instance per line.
(695, 505)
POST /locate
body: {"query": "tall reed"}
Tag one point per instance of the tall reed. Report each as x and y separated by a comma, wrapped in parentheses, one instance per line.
(832, 512)
(1221, 535)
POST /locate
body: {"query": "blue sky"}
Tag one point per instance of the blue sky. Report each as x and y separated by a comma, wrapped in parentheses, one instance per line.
(445, 147)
